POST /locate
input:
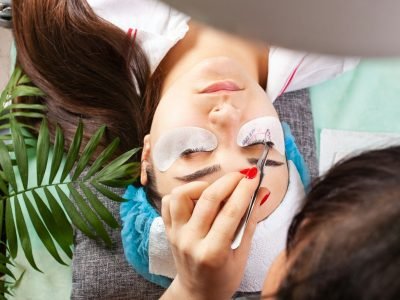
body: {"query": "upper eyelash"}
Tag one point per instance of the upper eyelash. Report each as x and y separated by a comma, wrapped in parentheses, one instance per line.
(255, 143)
(190, 151)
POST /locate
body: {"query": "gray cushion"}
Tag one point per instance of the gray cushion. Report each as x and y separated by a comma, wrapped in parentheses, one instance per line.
(101, 273)
(294, 108)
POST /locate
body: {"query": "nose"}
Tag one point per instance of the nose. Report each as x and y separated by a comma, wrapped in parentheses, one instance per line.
(225, 115)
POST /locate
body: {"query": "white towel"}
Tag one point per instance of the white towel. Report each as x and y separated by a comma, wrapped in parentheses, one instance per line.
(268, 241)
(290, 70)
(155, 26)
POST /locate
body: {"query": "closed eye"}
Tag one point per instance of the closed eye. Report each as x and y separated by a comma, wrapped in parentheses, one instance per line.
(188, 152)
(254, 143)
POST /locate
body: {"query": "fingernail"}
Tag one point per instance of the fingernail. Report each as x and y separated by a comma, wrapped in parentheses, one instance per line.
(265, 198)
(252, 173)
(244, 171)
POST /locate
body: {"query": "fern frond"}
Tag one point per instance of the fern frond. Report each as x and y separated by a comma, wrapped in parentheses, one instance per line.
(42, 152)
(73, 152)
(52, 200)
(20, 152)
(58, 153)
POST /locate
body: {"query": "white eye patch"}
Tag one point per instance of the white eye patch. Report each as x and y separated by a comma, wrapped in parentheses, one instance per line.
(173, 144)
(261, 130)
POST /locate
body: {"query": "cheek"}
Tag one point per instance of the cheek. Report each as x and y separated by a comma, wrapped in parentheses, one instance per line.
(276, 180)
(165, 182)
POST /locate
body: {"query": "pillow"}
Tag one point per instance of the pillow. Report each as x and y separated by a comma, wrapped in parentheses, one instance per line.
(99, 272)
(103, 273)
(294, 108)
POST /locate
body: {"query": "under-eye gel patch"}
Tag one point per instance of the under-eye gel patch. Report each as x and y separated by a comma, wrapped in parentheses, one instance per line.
(261, 130)
(179, 140)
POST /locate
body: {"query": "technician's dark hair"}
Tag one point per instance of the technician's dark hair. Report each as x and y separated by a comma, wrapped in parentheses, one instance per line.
(345, 241)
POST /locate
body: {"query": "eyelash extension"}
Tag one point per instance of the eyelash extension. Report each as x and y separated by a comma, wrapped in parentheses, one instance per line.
(190, 151)
(273, 163)
(256, 142)
(261, 141)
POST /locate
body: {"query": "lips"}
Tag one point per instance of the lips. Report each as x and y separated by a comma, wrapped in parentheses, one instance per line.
(221, 86)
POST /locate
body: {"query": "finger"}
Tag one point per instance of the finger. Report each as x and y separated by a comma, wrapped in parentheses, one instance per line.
(166, 216)
(209, 203)
(227, 221)
(182, 201)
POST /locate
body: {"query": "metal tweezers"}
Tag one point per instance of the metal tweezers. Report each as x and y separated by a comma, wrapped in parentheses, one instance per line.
(243, 223)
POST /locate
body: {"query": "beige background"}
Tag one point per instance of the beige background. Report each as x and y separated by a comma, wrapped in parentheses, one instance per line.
(5, 46)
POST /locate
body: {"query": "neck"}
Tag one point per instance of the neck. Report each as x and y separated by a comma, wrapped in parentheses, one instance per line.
(203, 42)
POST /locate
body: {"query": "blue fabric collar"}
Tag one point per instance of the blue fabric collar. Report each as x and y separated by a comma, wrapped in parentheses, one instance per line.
(137, 215)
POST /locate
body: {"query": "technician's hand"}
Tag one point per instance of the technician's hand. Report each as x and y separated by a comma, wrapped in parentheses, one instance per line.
(201, 220)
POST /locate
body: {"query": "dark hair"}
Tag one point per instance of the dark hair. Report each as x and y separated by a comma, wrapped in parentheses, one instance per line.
(345, 241)
(88, 68)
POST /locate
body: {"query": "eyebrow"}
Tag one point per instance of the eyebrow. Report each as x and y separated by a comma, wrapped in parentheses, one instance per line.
(216, 168)
(268, 163)
(200, 173)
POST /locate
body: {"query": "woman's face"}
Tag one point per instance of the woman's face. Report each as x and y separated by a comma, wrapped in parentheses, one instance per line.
(212, 121)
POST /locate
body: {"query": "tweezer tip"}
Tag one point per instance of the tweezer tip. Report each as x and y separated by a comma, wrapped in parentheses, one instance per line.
(270, 144)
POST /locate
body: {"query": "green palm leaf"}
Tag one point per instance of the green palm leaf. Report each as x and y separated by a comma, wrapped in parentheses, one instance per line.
(99, 207)
(73, 152)
(115, 164)
(22, 114)
(59, 215)
(90, 216)
(58, 153)
(120, 183)
(10, 229)
(23, 90)
(74, 214)
(6, 286)
(42, 231)
(102, 158)
(88, 152)
(25, 106)
(118, 171)
(24, 235)
(3, 186)
(20, 152)
(48, 208)
(61, 231)
(7, 167)
(42, 152)
(106, 192)
(84, 210)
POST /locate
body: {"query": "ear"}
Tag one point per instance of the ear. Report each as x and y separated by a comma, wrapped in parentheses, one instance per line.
(145, 160)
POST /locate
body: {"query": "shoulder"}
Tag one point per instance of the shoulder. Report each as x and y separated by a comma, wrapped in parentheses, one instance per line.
(290, 70)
